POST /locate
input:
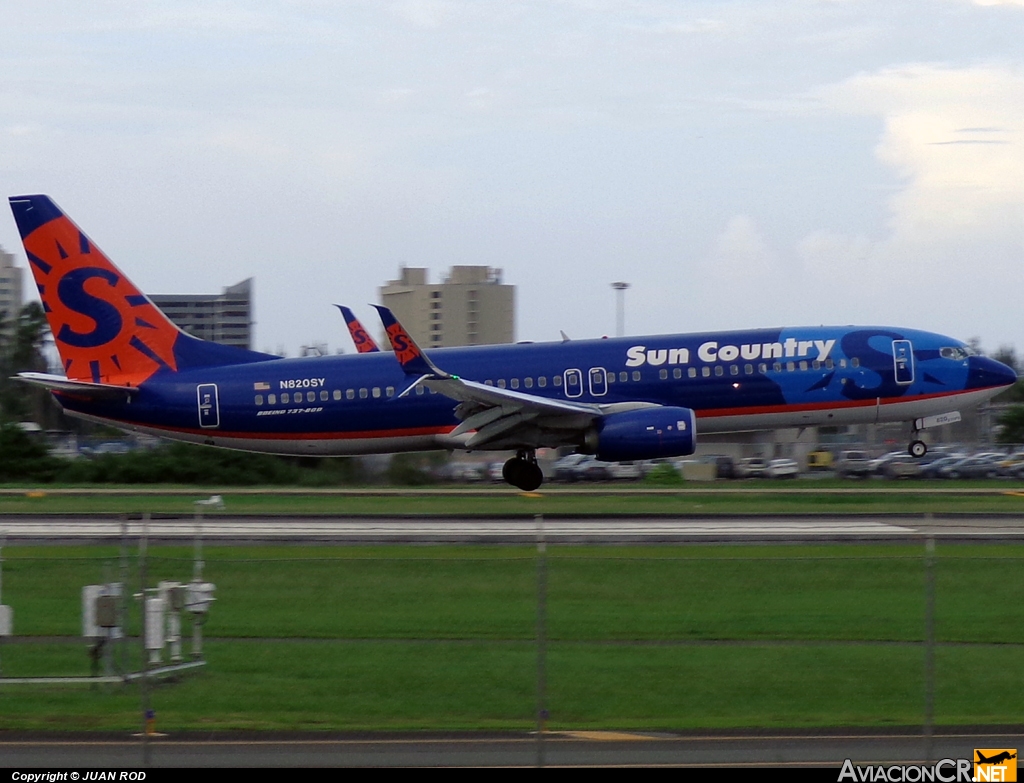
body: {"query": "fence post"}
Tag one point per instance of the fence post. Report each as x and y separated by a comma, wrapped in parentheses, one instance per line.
(929, 645)
(541, 637)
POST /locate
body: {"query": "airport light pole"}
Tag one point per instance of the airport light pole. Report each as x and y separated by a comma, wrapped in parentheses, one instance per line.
(620, 308)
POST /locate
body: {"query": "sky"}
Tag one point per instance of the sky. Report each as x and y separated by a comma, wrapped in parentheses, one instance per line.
(741, 164)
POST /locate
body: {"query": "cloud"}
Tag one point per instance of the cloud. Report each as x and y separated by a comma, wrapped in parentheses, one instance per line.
(956, 139)
(741, 251)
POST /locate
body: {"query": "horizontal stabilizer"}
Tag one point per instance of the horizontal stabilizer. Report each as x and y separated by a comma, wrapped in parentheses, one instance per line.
(58, 383)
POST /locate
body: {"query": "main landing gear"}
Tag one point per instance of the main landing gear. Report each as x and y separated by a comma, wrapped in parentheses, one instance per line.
(522, 471)
(917, 448)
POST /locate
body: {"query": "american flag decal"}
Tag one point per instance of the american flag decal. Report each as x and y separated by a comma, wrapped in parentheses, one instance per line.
(261, 386)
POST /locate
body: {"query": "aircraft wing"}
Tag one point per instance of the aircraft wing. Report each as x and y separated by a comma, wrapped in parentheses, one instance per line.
(60, 384)
(497, 418)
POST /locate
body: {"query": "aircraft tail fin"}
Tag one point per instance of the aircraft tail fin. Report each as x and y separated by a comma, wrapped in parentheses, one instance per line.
(408, 353)
(106, 330)
(363, 342)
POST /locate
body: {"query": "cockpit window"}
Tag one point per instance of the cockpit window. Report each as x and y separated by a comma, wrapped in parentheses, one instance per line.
(955, 353)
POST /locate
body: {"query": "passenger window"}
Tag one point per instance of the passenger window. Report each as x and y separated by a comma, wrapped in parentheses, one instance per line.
(350, 394)
(376, 392)
(855, 362)
(542, 381)
(677, 372)
(719, 371)
(310, 396)
(790, 366)
(363, 394)
(324, 395)
(285, 397)
(259, 399)
(557, 380)
(748, 369)
(762, 367)
(815, 365)
(272, 399)
(734, 369)
(705, 372)
(691, 372)
(842, 364)
(528, 383)
(829, 364)
(777, 366)
(390, 391)
(488, 382)
(514, 383)
(636, 375)
(501, 383)
(663, 374)
(803, 366)
(623, 376)
(337, 394)
(419, 390)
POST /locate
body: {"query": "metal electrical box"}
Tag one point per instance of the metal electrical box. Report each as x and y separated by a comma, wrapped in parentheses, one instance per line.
(99, 610)
(6, 620)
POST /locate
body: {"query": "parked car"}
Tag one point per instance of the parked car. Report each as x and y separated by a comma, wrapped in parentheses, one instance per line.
(903, 466)
(725, 468)
(625, 471)
(783, 468)
(978, 466)
(751, 467)
(932, 470)
(852, 462)
(820, 460)
(565, 468)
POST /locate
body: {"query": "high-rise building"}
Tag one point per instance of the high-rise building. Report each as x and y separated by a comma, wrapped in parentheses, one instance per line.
(10, 291)
(470, 307)
(224, 318)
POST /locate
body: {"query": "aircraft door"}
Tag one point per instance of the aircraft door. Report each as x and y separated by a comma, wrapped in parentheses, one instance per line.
(598, 382)
(903, 361)
(209, 405)
(573, 383)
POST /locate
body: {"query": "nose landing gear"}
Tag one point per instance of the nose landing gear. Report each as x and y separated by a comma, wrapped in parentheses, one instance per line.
(522, 471)
(917, 448)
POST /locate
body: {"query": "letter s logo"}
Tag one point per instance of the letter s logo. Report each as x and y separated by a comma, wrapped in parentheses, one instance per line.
(72, 294)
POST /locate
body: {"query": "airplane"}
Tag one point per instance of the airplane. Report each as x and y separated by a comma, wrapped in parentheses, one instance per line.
(360, 337)
(996, 759)
(126, 364)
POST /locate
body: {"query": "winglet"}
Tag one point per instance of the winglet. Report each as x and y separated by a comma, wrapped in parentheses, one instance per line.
(363, 342)
(409, 355)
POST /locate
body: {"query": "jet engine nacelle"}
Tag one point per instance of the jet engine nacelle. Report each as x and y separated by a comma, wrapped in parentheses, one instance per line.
(648, 433)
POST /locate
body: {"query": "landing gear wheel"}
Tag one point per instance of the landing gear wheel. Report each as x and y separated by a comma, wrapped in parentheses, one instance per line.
(523, 472)
(917, 449)
(511, 469)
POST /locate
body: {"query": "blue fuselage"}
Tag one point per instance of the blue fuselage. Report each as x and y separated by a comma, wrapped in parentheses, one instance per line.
(746, 380)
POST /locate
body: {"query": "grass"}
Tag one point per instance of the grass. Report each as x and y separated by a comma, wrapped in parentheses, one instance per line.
(442, 637)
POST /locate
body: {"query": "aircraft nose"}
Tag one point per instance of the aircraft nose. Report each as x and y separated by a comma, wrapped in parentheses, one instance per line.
(985, 373)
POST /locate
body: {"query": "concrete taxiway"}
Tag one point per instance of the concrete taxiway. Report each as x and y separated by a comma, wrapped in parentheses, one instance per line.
(242, 529)
(582, 748)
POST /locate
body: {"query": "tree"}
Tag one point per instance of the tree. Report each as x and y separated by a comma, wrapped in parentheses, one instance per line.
(1012, 423)
(22, 351)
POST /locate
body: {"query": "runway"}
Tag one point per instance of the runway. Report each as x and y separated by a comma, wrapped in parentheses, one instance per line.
(376, 530)
(583, 748)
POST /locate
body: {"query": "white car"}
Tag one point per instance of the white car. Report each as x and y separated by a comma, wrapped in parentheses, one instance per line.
(783, 468)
